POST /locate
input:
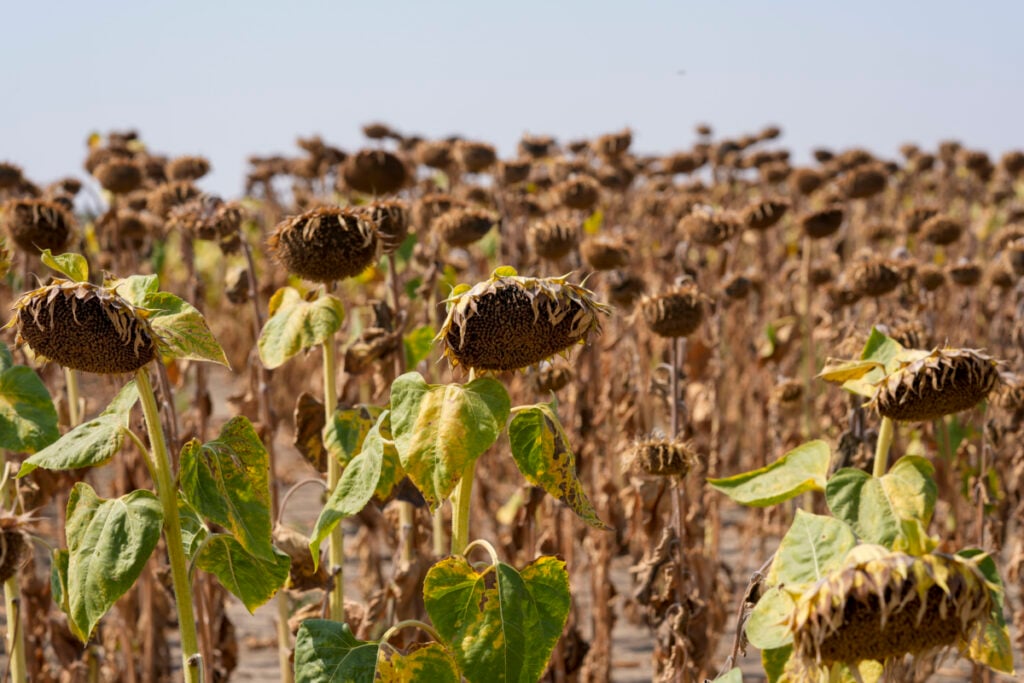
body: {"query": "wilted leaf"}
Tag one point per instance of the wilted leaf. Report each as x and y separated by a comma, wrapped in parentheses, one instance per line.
(767, 627)
(439, 429)
(309, 426)
(343, 437)
(428, 662)
(182, 329)
(541, 450)
(73, 265)
(251, 579)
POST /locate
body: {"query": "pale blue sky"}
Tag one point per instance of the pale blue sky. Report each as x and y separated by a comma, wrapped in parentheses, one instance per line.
(229, 79)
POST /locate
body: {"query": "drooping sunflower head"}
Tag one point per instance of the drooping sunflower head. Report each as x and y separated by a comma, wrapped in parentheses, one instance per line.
(325, 244)
(509, 322)
(661, 457)
(889, 606)
(944, 382)
(38, 224)
(675, 313)
(85, 327)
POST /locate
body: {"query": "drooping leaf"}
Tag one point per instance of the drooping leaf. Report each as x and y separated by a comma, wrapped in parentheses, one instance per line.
(28, 420)
(881, 356)
(910, 486)
(343, 437)
(90, 443)
(990, 643)
(774, 662)
(73, 265)
(418, 344)
(226, 481)
(767, 627)
(504, 631)
(813, 546)
(427, 662)
(439, 429)
(296, 325)
(802, 469)
(540, 448)
(182, 329)
(327, 652)
(109, 542)
(354, 489)
(253, 580)
(137, 288)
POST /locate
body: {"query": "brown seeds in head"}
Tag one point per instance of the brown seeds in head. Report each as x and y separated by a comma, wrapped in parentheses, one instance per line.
(944, 382)
(663, 458)
(434, 154)
(475, 157)
(915, 217)
(614, 145)
(822, 223)
(553, 238)
(581, 192)
(187, 168)
(165, 197)
(804, 181)
(625, 287)
(931, 277)
(463, 226)
(10, 175)
(941, 230)
(85, 327)
(37, 224)
(430, 207)
(391, 218)
(602, 252)
(675, 313)
(765, 213)
(374, 171)
(536, 146)
(119, 176)
(874, 277)
(710, 228)
(965, 273)
(512, 172)
(863, 182)
(511, 322)
(325, 244)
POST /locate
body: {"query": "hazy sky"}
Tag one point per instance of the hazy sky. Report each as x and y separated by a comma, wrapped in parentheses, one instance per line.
(229, 79)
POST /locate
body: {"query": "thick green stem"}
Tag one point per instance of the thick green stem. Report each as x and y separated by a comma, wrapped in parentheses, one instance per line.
(336, 547)
(461, 498)
(192, 663)
(881, 465)
(12, 601)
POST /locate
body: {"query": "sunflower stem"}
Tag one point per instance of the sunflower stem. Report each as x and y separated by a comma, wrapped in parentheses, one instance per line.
(885, 432)
(336, 547)
(461, 498)
(192, 661)
(16, 662)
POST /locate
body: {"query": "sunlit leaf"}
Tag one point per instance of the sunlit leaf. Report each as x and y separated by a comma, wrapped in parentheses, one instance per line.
(343, 437)
(767, 627)
(182, 330)
(439, 429)
(427, 662)
(28, 420)
(802, 469)
(297, 325)
(253, 580)
(327, 652)
(72, 265)
(858, 499)
(813, 546)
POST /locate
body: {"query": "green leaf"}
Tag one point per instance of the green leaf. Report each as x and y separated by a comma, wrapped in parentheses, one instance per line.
(428, 662)
(74, 266)
(813, 546)
(90, 443)
(297, 325)
(28, 420)
(439, 429)
(354, 489)
(182, 329)
(226, 481)
(767, 627)
(193, 530)
(774, 662)
(733, 675)
(500, 631)
(391, 471)
(59, 578)
(343, 437)
(251, 579)
(989, 643)
(136, 289)
(109, 542)
(327, 652)
(418, 344)
(877, 508)
(541, 450)
(802, 469)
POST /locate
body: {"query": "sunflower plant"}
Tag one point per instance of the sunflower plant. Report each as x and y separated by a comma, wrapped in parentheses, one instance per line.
(851, 594)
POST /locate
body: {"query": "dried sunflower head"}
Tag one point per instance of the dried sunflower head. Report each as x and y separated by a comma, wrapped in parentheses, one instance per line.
(509, 322)
(552, 238)
(325, 244)
(765, 213)
(581, 192)
(119, 175)
(84, 327)
(874, 277)
(391, 218)
(37, 224)
(888, 606)
(675, 313)
(941, 230)
(710, 228)
(944, 382)
(602, 252)
(14, 545)
(374, 171)
(822, 223)
(461, 227)
(187, 168)
(661, 457)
